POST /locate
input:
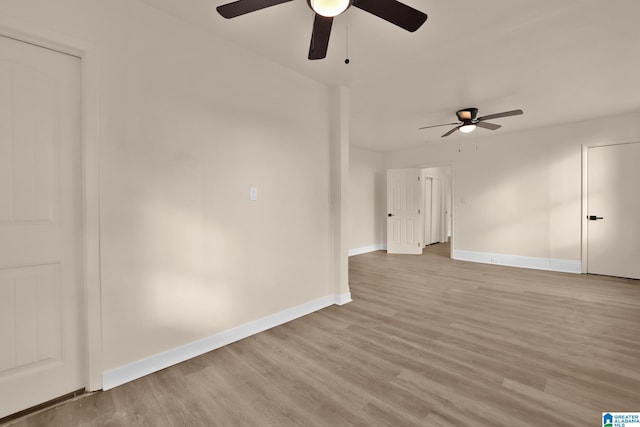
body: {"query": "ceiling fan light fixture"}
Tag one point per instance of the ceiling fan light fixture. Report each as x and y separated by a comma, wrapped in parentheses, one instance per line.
(329, 8)
(467, 128)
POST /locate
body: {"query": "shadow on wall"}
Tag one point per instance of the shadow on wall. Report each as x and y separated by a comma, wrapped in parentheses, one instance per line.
(519, 200)
(185, 250)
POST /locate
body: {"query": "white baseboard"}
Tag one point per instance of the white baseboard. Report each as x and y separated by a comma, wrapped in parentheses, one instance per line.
(124, 374)
(367, 249)
(562, 265)
(342, 299)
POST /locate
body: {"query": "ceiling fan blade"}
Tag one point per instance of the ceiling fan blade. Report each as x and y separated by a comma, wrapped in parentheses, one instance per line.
(435, 126)
(395, 12)
(241, 7)
(450, 132)
(487, 125)
(320, 37)
(498, 115)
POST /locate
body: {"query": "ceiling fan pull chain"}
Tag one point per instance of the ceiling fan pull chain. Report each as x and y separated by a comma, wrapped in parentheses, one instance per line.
(346, 61)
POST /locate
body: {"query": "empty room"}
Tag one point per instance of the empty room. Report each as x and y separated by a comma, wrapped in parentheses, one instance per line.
(319, 213)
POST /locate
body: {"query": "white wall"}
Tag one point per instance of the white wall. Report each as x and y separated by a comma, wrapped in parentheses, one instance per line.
(186, 125)
(367, 201)
(519, 193)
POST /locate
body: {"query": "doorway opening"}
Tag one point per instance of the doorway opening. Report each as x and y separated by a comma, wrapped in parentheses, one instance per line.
(438, 202)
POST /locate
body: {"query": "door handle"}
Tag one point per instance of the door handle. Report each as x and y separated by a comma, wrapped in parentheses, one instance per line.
(593, 217)
(389, 215)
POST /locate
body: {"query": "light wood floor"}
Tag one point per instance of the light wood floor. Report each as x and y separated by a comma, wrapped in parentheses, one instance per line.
(427, 341)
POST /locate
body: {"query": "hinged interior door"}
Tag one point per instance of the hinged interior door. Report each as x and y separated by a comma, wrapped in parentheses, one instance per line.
(404, 211)
(613, 242)
(41, 351)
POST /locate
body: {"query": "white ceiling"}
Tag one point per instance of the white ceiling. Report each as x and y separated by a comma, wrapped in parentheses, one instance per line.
(560, 61)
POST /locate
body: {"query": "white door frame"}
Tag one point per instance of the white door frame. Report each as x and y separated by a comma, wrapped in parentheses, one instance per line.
(585, 192)
(29, 33)
(427, 213)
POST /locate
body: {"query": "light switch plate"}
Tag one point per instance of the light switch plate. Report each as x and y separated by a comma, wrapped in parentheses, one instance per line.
(253, 194)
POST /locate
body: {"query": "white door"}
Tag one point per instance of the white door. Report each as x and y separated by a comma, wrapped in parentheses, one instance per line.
(436, 211)
(428, 233)
(613, 206)
(40, 226)
(404, 211)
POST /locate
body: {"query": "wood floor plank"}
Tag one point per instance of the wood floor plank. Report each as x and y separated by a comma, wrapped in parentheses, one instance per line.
(427, 341)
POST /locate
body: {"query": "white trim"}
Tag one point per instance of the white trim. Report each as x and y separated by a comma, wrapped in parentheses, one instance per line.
(135, 370)
(342, 299)
(367, 249)
(561, 265)
(29, 33)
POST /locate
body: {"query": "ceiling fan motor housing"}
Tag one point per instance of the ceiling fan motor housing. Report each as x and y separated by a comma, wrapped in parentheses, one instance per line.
(467, 115)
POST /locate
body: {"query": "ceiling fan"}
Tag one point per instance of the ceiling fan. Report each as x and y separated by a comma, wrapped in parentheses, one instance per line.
(325, 10)
(468, 120)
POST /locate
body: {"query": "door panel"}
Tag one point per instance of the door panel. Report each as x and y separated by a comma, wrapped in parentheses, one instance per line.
(28, 145)
(404, 211)
(613, 242)
(40, 226)
(35, 337)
